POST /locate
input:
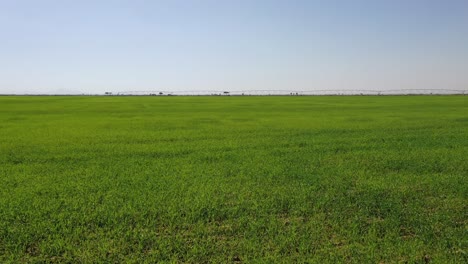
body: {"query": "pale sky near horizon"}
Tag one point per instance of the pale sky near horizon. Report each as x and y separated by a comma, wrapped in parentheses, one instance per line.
(96, 46)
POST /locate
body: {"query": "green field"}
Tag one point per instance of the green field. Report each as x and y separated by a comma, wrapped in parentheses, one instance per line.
(361, 179)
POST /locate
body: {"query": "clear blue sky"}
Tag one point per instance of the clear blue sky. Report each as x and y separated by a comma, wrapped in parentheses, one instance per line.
(96, 46)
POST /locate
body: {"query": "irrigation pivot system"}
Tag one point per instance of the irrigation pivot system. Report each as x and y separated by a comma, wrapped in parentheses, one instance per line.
(296, 92)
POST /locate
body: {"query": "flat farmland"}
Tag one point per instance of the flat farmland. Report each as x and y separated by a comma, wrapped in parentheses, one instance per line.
(234, 179)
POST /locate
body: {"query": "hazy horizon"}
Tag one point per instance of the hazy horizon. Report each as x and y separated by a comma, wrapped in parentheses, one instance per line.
(95, 47)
